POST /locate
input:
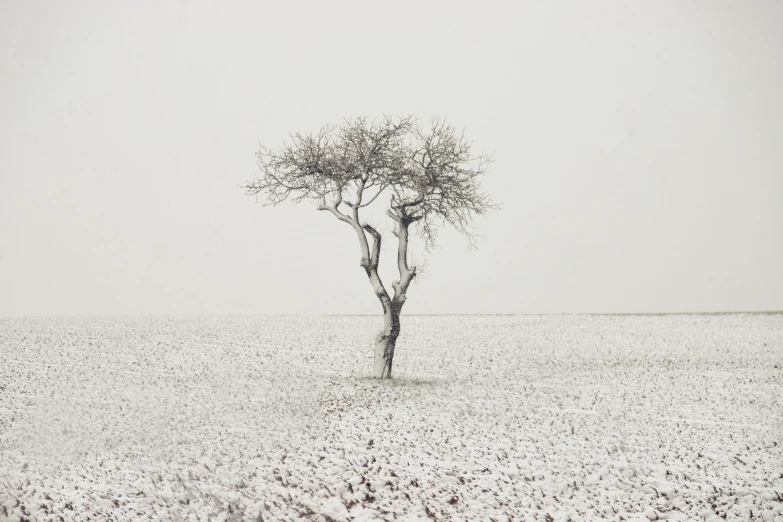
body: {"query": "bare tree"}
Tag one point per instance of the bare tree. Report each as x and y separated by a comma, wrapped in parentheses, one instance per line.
(428, 176)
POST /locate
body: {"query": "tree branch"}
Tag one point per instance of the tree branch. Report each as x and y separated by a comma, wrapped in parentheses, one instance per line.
(406, 274)
(375, 251)
(418, 201)
(372, 268)
(383, 187)
(333, 208)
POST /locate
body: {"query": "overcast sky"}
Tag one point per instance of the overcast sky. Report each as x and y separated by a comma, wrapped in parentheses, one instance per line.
(638, 153)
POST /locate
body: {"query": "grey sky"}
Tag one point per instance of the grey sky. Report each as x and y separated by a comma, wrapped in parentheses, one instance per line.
(638, 153)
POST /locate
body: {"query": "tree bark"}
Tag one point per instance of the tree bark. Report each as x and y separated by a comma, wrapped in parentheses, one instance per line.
(385, 343)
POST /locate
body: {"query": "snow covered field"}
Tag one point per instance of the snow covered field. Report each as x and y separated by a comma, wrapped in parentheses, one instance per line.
(490, 418)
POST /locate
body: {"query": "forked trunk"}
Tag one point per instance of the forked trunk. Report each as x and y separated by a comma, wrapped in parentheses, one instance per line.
(387, 338)
(384, 347)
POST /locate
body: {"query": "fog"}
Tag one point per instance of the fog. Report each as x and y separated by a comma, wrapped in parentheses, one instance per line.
(637, 153)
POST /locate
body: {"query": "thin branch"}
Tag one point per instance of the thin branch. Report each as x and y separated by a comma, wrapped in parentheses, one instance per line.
(383, 187)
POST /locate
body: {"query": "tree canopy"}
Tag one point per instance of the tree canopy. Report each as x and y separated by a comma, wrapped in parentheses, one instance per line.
(429, 174)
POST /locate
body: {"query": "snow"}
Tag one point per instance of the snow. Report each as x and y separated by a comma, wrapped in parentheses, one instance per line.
(489, 418)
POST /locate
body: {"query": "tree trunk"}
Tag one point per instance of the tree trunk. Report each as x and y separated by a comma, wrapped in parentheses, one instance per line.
(384, 345)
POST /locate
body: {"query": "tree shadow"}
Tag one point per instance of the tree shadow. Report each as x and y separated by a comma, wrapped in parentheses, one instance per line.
(401, 381)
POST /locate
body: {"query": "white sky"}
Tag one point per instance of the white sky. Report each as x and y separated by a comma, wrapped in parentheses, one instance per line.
(638, 153)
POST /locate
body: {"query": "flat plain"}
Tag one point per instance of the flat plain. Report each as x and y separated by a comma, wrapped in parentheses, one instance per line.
(549, 418)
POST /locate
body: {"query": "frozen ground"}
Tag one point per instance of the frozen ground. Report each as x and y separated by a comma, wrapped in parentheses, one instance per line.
(492, 418)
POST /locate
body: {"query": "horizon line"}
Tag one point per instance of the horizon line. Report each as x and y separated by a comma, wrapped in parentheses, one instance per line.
(502, 314)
